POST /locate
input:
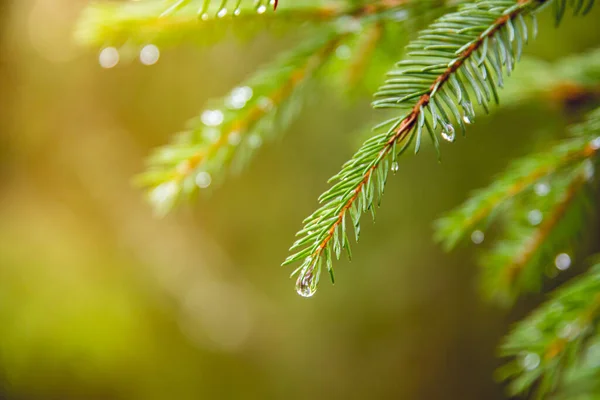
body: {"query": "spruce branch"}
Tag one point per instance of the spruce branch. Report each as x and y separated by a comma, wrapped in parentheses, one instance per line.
(450, 61)
(544, 203)
(548, 346)
(229, 131)
(203, 21)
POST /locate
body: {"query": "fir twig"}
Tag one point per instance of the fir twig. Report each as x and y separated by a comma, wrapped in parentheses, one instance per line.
(461, 50)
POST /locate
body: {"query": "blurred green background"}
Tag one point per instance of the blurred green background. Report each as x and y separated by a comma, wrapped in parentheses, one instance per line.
(99, 300)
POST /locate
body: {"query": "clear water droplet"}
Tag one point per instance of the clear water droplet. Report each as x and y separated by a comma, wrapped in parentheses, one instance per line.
(542, 189)
(265, 104)
(239, 97)
(448, 133)
(149, 54)
(254, 141)
(535, 217)
(234, 138)
(305, 285)
(212, 117)
(343, 52)
(395, 166)
(595, 143)
(164, 194)
(562, 261)
(401, 15)
(568, 330)
(222, 12)
(211, 134)
(467, 119)
(109, 57)
(261, 9)
(477, 237)
(203, 180)
(530, 361)
(468, 109)
(589, 170)
(237, 12)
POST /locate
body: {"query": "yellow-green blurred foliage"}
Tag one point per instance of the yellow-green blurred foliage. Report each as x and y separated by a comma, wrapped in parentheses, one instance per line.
(99, 300)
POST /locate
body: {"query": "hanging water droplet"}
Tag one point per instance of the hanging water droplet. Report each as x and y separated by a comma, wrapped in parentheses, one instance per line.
(568, 330)
(261, 9)
(203, 180)
(234, 138)
(343, 52)
(468, 109)
(222, 12)
(109, 57)
(254, 141)
(149, 54)
(265, 104)
(237, 12)
(204, 16)
(467, 119)
(395, 166)
(400, 15)
(211, 134)
(535, 217)
(562, 261)
(530, 361)
(588, 170)
(477, 237)
(595, 143)
(163, 192)
(542, 189)
(212, 117)
(239, 97)
(305, 285)
(448, 133)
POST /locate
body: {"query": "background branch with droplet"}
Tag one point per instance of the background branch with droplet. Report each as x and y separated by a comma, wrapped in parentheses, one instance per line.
(543, 203)
(231, 129)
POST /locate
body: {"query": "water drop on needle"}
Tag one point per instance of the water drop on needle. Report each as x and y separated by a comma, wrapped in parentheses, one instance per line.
(305, 286)
(448, 133)
(395, 167)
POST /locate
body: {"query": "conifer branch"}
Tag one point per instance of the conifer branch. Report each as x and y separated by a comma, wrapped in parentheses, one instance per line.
(236, 125)
(461, 50)
(550, 343)
(138, 23)
(545, 208)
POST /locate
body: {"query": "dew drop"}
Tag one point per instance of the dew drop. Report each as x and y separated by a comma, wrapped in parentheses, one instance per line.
(203, 180)
(234, 138)
(401, 15)
(477, 237)
(254, 141)
(164, 193)
(109, 57)
(343, 52)
(593, 355)
(265, 104)
(595, 143)
(211, 134)
(222, 12)
(448, 133)
(305, 285)
(588, 170)
(204, 16)
(568, 330)
(542, 189)
(239, 97)
(212, 117)
(467, 119)
(261, 9)
(237, 12)
(562, 261)
(535, 217)
(530, 361)
(395, 166)
(149, 54)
